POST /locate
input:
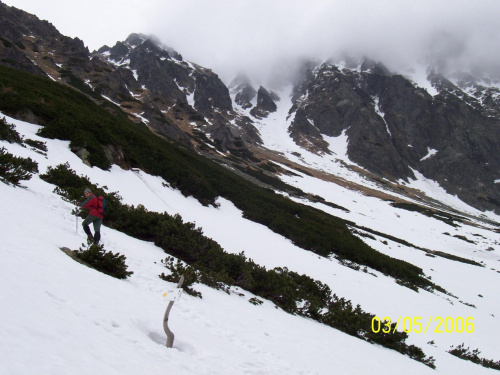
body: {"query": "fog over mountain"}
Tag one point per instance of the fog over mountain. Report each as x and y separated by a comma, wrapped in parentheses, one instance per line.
(254, 36)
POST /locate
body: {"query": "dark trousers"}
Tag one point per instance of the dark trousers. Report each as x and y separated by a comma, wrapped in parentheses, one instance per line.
(96, 221)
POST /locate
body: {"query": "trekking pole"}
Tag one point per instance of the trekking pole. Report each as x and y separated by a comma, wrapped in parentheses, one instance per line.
(75, 212)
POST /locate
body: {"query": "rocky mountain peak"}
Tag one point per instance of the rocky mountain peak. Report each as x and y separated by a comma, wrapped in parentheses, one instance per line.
(135, 39)
(265, 103)
(33, 45)
(152, 43)
(375, 67)
(118, 52)
(243, 91)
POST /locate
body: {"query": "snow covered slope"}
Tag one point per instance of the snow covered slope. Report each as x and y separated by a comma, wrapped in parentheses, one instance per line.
(59, 317)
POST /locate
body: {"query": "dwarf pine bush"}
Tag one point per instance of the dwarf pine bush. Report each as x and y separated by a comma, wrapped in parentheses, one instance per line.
(14, 169)
(461, 352)
(104, 261)
(8, 133)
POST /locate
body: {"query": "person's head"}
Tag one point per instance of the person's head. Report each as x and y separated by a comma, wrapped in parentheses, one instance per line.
(87, 192)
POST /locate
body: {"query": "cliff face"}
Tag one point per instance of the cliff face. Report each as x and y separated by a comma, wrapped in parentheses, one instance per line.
(395, 128)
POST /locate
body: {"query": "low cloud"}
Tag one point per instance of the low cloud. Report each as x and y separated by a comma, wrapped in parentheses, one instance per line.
(256, 36)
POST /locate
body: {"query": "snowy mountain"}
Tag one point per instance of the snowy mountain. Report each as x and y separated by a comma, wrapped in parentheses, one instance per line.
(428, 120)
(396, 129)
(379, 187)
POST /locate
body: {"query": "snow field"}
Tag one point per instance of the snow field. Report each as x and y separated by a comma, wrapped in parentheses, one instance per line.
(61, 317)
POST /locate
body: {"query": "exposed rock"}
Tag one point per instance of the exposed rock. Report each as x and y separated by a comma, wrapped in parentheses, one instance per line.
(115, 156)
(11, 56)
(164, 126)
(392, 126)
(249, 133)
(118, 52)
(83, 154)
(211, 94)
(245, 95)
(265, 103)
(306, 135)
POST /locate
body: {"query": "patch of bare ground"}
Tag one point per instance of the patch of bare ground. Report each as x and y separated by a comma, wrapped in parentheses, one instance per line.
(389, 190)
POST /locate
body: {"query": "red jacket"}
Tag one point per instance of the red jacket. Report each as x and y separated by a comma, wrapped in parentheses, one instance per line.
(92, 204)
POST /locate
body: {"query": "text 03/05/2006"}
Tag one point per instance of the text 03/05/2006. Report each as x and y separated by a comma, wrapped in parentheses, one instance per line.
(417, 324)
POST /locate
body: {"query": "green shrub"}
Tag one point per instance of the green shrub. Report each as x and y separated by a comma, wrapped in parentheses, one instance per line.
(104, 261)
(473, 356)
(14, 169)
(178, 269)
(255, 301)
(39, 145)
(8, 133)
(70, 187)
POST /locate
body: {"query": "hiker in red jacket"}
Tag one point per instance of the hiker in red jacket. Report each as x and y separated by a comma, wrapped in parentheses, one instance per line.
(95, 217)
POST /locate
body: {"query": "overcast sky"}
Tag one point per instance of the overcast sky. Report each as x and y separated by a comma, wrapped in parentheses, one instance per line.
(254, 35)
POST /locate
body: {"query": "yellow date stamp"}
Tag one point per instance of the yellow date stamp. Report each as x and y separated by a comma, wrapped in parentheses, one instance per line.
(417, 324)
